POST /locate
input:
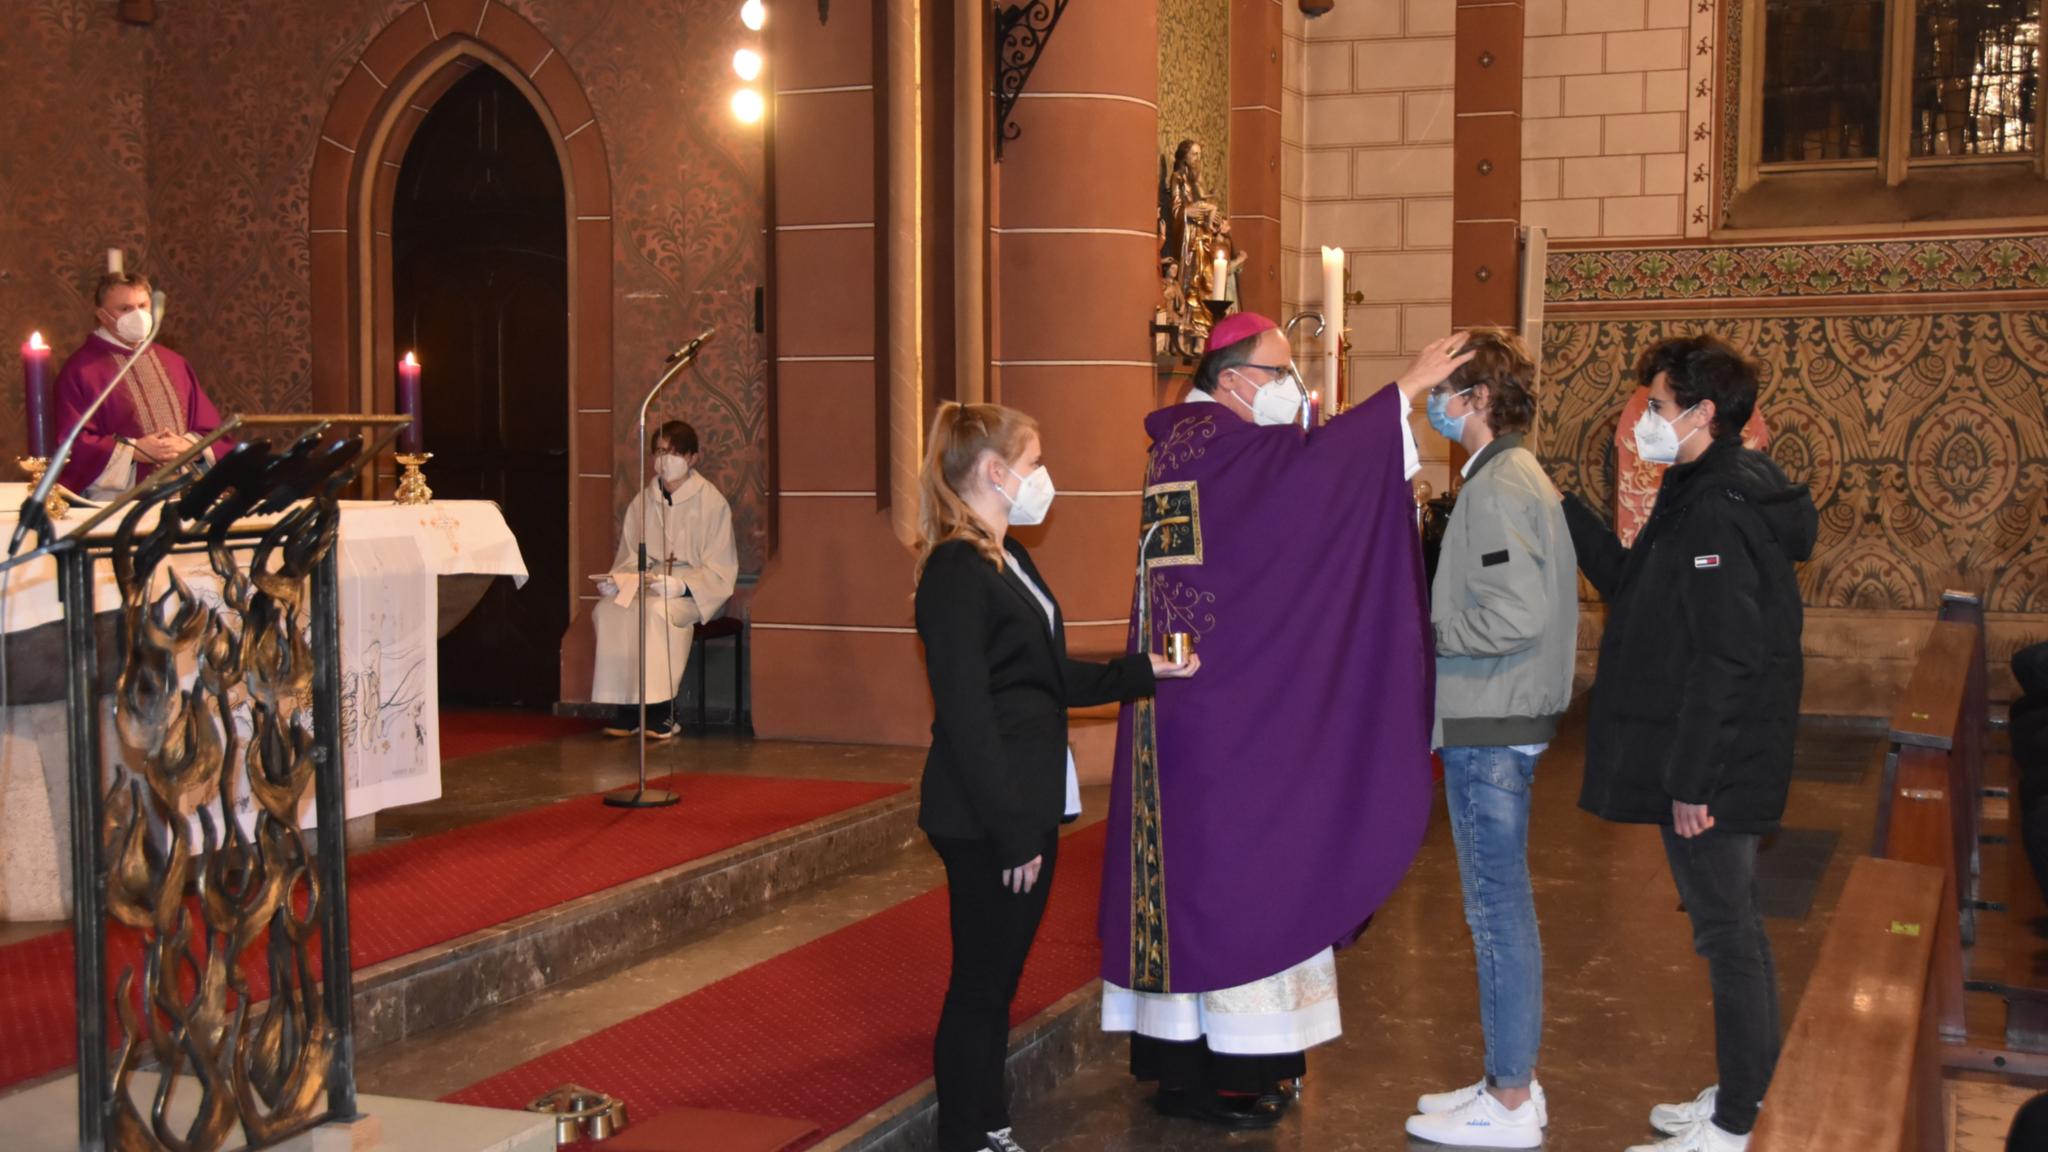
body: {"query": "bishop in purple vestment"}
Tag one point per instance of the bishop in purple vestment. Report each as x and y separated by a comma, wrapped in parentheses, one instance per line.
(1263, 811)
(157, 412)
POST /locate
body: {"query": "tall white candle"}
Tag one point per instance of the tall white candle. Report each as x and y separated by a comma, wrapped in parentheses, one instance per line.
(115, 262)
(1219, 276)
(1333, 325)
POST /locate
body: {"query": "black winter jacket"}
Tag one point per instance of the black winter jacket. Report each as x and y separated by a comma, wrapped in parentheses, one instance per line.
(1697, 693)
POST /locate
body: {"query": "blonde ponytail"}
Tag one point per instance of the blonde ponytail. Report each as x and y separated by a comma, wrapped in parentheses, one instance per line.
(960, 434)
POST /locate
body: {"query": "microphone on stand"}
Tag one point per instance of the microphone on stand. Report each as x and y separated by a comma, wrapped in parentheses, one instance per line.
(689, 351)
(31, 511)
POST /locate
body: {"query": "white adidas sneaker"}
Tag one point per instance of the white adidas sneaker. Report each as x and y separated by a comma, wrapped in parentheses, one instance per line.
(1705, 1136)
(1481, 1122)
(1437, 1102)
(1000, 1141)
(1671, 1119)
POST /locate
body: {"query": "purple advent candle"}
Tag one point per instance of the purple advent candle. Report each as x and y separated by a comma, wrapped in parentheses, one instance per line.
(35, 392)
(409, 402)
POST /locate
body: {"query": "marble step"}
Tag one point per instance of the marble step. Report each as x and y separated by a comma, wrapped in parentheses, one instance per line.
(452, 982)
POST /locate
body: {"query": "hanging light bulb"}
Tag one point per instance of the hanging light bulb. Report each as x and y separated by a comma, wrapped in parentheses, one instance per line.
(754, 14)
(746, 104)
(747, 63)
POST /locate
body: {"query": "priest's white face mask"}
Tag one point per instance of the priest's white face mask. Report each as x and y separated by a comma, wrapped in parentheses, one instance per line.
(125, 313)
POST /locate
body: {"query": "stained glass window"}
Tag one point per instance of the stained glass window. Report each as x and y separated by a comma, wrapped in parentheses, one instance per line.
(1823, 82)
(1976, 77)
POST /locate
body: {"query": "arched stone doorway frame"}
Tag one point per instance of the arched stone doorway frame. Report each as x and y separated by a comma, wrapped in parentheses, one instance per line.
(375, 112)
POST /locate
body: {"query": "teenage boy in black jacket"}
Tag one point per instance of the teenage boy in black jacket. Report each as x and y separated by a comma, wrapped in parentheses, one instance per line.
(1696, 700)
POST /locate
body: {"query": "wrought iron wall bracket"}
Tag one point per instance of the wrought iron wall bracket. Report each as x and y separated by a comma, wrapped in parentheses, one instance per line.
(1022, 31)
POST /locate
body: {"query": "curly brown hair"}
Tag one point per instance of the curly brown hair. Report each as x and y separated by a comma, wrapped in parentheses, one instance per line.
(1502, 365)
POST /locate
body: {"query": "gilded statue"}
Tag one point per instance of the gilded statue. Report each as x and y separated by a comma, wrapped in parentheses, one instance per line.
(1193, 230)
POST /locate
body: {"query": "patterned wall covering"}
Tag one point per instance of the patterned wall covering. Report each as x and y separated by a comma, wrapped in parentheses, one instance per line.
(236, 91)
(71, 177)
(1922, 430)
(1194, 85)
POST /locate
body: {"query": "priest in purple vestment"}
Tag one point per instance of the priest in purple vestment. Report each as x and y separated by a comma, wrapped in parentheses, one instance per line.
(1261, 813)
(157, 412)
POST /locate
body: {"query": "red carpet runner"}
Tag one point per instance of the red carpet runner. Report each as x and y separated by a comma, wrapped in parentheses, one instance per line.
(473, 733)
(828, 1031)
(414, 895)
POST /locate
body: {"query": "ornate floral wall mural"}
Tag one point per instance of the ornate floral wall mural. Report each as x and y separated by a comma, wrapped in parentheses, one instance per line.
(1923, 435)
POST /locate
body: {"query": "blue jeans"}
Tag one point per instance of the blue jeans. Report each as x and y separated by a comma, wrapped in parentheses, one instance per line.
(1487, 790)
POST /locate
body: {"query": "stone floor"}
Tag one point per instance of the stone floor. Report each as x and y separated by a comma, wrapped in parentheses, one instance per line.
(1627, 1019)
(1627, 1016)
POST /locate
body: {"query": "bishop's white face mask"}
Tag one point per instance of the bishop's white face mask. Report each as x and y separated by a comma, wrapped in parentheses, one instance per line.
(1278, 401)
(1657, 441)
(133, 326)
(672, 469)
(1033, 499)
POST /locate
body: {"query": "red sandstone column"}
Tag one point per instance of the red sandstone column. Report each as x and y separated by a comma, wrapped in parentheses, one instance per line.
(1486, 187)
(835, 654)
(1074, 285)
(1255, 43)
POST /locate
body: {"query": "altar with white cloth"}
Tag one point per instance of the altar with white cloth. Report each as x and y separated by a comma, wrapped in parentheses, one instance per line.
(408, 574)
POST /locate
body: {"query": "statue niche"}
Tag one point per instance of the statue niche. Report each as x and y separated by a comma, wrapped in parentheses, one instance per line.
(1193, 231)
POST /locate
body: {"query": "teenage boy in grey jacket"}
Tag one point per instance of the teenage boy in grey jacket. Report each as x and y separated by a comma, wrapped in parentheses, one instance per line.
(1505, 611)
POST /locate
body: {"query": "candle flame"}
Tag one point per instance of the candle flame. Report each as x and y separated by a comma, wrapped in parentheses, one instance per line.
(35, 341)
(411, 361)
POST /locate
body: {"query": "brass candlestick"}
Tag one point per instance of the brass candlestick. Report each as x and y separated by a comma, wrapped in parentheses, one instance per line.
(56, 505)
(412, 486)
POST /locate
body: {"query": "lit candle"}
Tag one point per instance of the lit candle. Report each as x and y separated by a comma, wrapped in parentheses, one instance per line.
(1314, 419)
(1219, 276)
(1333, 323)
(409, 402)
(116, 264)
(35, 393)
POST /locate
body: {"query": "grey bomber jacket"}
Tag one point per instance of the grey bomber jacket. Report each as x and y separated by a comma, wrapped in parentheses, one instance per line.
(1504, 608)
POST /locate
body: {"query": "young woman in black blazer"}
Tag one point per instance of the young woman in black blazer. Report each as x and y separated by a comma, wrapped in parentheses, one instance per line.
(997, 779)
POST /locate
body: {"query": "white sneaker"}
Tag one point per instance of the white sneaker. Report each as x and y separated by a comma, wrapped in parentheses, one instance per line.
(999, 1141)
(1671, 1119)
(1705, 1136)
(1481, 1122)
(1437, 1102)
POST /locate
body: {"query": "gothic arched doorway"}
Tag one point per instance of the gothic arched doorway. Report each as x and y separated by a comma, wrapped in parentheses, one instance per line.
(480, 291)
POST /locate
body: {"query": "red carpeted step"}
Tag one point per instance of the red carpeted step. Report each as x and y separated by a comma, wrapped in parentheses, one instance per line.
(828, 1031)
(473, 733)
(415, 895)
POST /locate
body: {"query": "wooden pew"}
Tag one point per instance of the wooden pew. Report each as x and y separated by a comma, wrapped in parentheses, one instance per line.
(1861, 1066)
(1933, 718)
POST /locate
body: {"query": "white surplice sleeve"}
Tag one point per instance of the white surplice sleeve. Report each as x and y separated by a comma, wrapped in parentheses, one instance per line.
(1411, 458)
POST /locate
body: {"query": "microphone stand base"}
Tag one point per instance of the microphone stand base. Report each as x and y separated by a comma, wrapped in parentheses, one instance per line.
(641, 798)
(55, 505)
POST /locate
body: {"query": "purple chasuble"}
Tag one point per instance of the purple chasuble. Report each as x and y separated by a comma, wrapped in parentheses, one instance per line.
(161, 393)
(1264, 809)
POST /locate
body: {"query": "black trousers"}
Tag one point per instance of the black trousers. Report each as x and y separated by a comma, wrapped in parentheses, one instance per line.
(992, 930)
(1716, 876)
(1189, 1066)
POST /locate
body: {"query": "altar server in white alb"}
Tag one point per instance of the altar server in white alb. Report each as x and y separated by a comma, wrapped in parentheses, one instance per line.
(692, 564)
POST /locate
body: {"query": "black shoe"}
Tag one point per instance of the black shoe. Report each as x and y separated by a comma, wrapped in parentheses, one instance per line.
(1239, 1112)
